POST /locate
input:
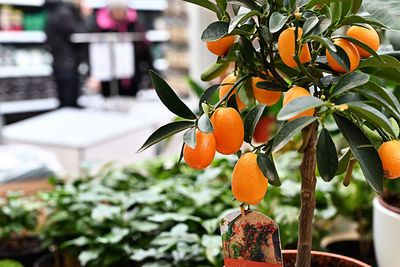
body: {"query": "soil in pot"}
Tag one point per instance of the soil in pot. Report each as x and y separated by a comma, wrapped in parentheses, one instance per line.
(319, 259)
(351, 248)
(25, 250)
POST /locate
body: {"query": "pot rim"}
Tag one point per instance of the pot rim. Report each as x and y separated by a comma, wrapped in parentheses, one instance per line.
(387, 206)
(328, 254)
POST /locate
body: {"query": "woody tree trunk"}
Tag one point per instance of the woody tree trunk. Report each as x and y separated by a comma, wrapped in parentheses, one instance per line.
(308, 183)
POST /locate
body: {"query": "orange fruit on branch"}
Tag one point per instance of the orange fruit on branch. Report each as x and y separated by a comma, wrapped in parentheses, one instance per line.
(223, 90)
(368, 36)
(203, 154)
(351, 52)
(228, 130)
(294, 93)
(287, 47)
(249, 184)
(221, 46)
(389, 153)
(264, 96)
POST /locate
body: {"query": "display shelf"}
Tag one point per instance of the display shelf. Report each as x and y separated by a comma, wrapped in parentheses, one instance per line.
(23, 2)
(149, 5)
(25, 71)
(157, 35)
(32, 105)
(22, 37)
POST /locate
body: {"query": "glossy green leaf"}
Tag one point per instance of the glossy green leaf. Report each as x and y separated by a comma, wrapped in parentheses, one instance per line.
(373, 135)
(221, 4)
(204, 124)
(246, 49)
(341, 57)
(350, 97)
(321, 27)
(245, 3)
(271, 86)
(207, 95)
(267, 167)
(232, 102)
(344, 162)
(299, 105)
(204, 3)
(301, 3)
(356, 6)
(169, 98)
(215, 31)
(189, 137)
(277, 21)
(362, 45)
(325, 41)
(380, 101)
(357, 19)
(386, 62)
(240, 18)
(395, 126)
(251, 120)
(387, 74)
(327, 159)
(289, 130)
(166, 131)
(214, 70)
(364, 152)
(313, 3)
(336, 10)
(309, 25)
(349, 81)
(372, 115)
(384, 93)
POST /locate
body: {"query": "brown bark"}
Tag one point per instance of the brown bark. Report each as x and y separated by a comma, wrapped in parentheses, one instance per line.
(308, 183)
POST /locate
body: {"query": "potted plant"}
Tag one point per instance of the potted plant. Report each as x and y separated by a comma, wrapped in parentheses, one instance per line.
(18, 224)
(322, 55)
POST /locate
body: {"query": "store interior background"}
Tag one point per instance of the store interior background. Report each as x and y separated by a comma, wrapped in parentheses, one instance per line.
(38, 137)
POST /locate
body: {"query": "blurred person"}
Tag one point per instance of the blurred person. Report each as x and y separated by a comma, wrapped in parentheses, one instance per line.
(66, 17)
(118, 17)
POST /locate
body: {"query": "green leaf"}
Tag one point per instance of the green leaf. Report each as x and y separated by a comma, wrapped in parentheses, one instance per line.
(271, 86)
(350, 97)
(372, 115)
(387, 74)
(166, 131)
(356, 6)
(373, 135)
(344, 162)
(362, 45)
(204, 124)
(384, 93)
(321, 27)
(208, 93)
(169, 98)
(289, 130)
(88, 255)
(215, 31)
(214, 70)
(221, 4)
(267, 167)
(313, 3)
(357, 19)
(195, 86)
(246, 49)
(310, 23)
(395, 126)
(364, 152)
(251, 120)
(327, 159)
(240, 18)
(299, 105)
(386, 62)
(301, 3)
(245, 3)
(276, 22)
(232, 103)
(336, 10)
(204, 3)
(380, 101)
(325, 41)
(341, 57)
(189, 137)
(349, 81)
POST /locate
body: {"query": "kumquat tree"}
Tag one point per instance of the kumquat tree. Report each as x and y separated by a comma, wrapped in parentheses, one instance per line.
(320, 57)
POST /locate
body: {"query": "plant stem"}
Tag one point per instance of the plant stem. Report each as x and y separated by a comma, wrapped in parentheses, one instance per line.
(308, 183)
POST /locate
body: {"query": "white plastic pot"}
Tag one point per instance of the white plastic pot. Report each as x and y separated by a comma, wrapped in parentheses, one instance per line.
(386, 231)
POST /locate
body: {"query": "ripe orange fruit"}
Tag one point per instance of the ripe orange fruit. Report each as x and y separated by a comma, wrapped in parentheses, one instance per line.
(221, 46)
(225, 88)
(351, 52)
(368, 36)
(296, 92)
(263, 129)
(286, 47)
(203, 154)
(228, 130)
(263, 96)
(249, 184)
(390, 156)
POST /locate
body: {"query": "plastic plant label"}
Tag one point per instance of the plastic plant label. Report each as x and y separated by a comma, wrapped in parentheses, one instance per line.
(250, 239)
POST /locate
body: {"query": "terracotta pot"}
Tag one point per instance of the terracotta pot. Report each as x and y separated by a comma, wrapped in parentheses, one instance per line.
(386, 233)
(25, 252)
(324, 259)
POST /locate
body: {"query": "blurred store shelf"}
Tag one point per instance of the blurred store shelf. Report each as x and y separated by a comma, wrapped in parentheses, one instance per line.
(151, 5)
(23, 2)
(32, 105)
(25, 71)
(22, 36)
